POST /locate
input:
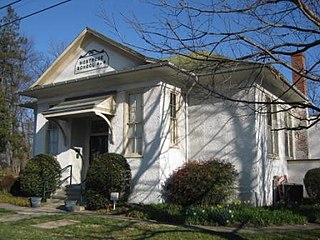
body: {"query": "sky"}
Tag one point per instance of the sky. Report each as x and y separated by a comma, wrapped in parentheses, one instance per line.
(62, 24)
(65, 22)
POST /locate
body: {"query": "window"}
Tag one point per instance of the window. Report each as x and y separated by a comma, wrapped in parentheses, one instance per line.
(288, 134)
(272, 125)
(135, 124)
(173, 119)
(52, 138)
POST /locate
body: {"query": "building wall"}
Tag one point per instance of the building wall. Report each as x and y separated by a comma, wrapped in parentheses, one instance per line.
(149, 171)
(314, 141)
(225, 130)
(267, 166)
(145, 169)
(117, 62)
(297, 169)
(237, 133)
(65, 156)
(39, 141)
(172, 157)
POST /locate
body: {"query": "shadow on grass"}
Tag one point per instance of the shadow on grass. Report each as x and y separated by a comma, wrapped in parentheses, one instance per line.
(107, 227)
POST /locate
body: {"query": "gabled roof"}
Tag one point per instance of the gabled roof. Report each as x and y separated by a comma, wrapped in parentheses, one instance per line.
(143, 65)
(79, 41)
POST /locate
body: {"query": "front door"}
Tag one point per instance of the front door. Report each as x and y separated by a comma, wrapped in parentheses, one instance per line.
(98, 145)
(98, 138)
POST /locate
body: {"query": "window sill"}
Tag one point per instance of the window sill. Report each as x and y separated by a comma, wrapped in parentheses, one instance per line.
(133, 155)
(273, 157)
(175, 146)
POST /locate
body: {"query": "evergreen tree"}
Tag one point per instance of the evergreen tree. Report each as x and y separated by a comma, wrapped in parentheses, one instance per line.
(13, 56)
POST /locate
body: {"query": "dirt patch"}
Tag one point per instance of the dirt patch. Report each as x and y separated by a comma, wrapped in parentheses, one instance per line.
(56, 224)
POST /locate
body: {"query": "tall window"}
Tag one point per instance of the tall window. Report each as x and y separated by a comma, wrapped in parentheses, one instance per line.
(135, 124)
(173, 119)
(288, 135)
(272, 125)
(52, 138)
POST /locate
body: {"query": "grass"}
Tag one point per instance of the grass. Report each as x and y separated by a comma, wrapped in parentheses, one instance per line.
(94, 227)
(4, 212)
(288, 235)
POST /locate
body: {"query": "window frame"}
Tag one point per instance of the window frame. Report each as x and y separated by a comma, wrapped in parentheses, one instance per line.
(52, 145)
(173, 114)
(288, 136)
(134, 124)
(271, 125)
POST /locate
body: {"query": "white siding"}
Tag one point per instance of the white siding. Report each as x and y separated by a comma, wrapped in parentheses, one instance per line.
(314, 141)
(225, 130)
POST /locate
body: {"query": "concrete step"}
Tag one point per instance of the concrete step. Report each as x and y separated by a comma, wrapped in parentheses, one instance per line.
(54, 203)
(73, 187)
(73, 192)
(59, 194)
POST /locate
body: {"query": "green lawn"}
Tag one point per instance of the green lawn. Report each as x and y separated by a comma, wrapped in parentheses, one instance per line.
(4, 212)
(92, 227)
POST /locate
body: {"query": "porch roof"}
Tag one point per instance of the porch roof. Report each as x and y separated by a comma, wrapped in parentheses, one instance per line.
(80, 106)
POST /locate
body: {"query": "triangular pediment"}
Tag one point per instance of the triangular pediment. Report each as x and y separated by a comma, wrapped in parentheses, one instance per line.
(91, 54)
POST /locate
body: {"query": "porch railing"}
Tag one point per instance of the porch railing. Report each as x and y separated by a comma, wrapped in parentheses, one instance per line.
(69, 177)
(82, 189)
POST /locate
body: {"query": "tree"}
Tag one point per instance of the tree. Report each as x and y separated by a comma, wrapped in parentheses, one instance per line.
(14, 50)
(267, 32)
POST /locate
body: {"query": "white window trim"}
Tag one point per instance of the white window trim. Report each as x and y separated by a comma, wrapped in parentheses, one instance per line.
(126, 125)
(288, 136)
(51, 127)
(273, 114)
(173, 119)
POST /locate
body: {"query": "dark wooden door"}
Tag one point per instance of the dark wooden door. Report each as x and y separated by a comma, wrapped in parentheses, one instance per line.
(98, 145)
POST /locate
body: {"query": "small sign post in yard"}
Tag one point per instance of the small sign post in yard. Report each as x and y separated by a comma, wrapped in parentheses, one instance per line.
(114, 196)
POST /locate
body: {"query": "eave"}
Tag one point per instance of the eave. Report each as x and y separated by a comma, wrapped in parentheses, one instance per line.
(160, 69)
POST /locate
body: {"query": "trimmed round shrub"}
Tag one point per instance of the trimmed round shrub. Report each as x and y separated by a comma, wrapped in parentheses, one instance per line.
(109, 172)
(41, 171)
(312, 184)
(201, 183)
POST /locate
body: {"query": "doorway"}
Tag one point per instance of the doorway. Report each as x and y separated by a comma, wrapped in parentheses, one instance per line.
(98, 145)
(98, 139)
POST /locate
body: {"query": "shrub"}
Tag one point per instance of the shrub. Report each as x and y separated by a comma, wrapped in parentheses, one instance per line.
(201, 183)
(109, 172)
(312, 184)
(19, 201)
(8, 182)
(40, 171)
(96, 200)
(311, 212)
(163, 212)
